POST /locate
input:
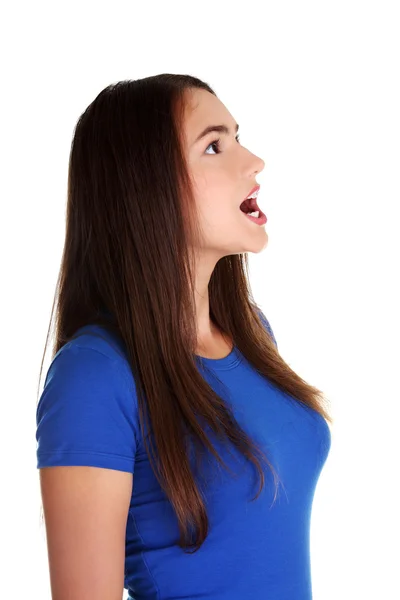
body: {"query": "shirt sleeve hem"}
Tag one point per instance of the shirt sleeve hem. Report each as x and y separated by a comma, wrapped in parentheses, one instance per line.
(83, 458)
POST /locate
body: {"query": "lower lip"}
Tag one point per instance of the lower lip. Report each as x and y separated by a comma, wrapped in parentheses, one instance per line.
(260, 220)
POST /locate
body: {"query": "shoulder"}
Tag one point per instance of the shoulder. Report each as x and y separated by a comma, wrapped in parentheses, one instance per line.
(97, 339)
(266, 324)
(92, 349)
(87, 413)
(90, 372)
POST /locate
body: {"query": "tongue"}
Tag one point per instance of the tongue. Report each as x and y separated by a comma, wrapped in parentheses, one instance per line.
(249, 205)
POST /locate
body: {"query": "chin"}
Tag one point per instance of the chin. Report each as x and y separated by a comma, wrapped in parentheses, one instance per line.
(254, 247)
(258, 243)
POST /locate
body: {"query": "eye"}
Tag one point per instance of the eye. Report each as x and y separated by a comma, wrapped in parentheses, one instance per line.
(217, 144)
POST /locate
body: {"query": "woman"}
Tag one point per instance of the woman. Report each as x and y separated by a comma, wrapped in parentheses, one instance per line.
(164, 369)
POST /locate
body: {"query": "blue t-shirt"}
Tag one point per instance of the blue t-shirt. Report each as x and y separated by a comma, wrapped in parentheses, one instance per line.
(88, 415)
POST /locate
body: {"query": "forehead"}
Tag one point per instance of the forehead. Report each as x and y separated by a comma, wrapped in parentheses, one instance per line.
(202, 109)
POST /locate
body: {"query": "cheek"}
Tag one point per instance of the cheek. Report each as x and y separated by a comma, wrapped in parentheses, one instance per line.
(213, 181)
(216, 196)
(218, 218)
(216, 204)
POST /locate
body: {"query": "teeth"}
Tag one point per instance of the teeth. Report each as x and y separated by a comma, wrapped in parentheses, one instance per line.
(255, 214)
(253, 195)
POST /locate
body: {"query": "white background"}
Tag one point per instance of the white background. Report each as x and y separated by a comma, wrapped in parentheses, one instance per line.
(314, 86)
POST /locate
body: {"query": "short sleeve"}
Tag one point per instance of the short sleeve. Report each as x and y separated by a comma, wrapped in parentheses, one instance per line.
(267, 326)
(87, 412)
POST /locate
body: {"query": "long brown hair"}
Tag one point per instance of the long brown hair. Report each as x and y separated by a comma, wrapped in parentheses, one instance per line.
(131, 226)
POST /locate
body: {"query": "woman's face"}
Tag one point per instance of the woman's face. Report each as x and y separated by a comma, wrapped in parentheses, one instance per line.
(223, 175)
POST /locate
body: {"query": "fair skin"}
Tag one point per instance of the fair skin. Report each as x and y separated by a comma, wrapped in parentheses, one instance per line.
(222, 178)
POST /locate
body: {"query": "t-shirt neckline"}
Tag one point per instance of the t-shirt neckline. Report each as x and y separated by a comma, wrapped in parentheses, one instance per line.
(226, 362)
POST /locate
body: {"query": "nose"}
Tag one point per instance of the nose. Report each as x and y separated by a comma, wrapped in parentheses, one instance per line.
(256, 164)
(260, 164)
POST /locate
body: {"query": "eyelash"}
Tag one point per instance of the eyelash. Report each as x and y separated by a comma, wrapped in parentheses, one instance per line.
(218, 141)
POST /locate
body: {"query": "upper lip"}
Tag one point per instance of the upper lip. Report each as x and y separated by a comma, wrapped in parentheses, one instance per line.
(254, 189)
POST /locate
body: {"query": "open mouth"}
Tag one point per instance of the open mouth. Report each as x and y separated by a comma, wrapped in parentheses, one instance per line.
(249, 206)
(251, 209)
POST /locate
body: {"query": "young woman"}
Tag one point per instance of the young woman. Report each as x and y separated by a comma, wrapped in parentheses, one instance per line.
(166, 401)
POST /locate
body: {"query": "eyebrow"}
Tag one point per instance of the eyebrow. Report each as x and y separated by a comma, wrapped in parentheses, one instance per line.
(217, 128)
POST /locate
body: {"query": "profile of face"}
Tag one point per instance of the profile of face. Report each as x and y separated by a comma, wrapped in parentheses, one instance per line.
(223, 174)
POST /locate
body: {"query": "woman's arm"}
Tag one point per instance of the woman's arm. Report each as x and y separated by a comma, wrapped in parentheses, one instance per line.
(85, 511)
